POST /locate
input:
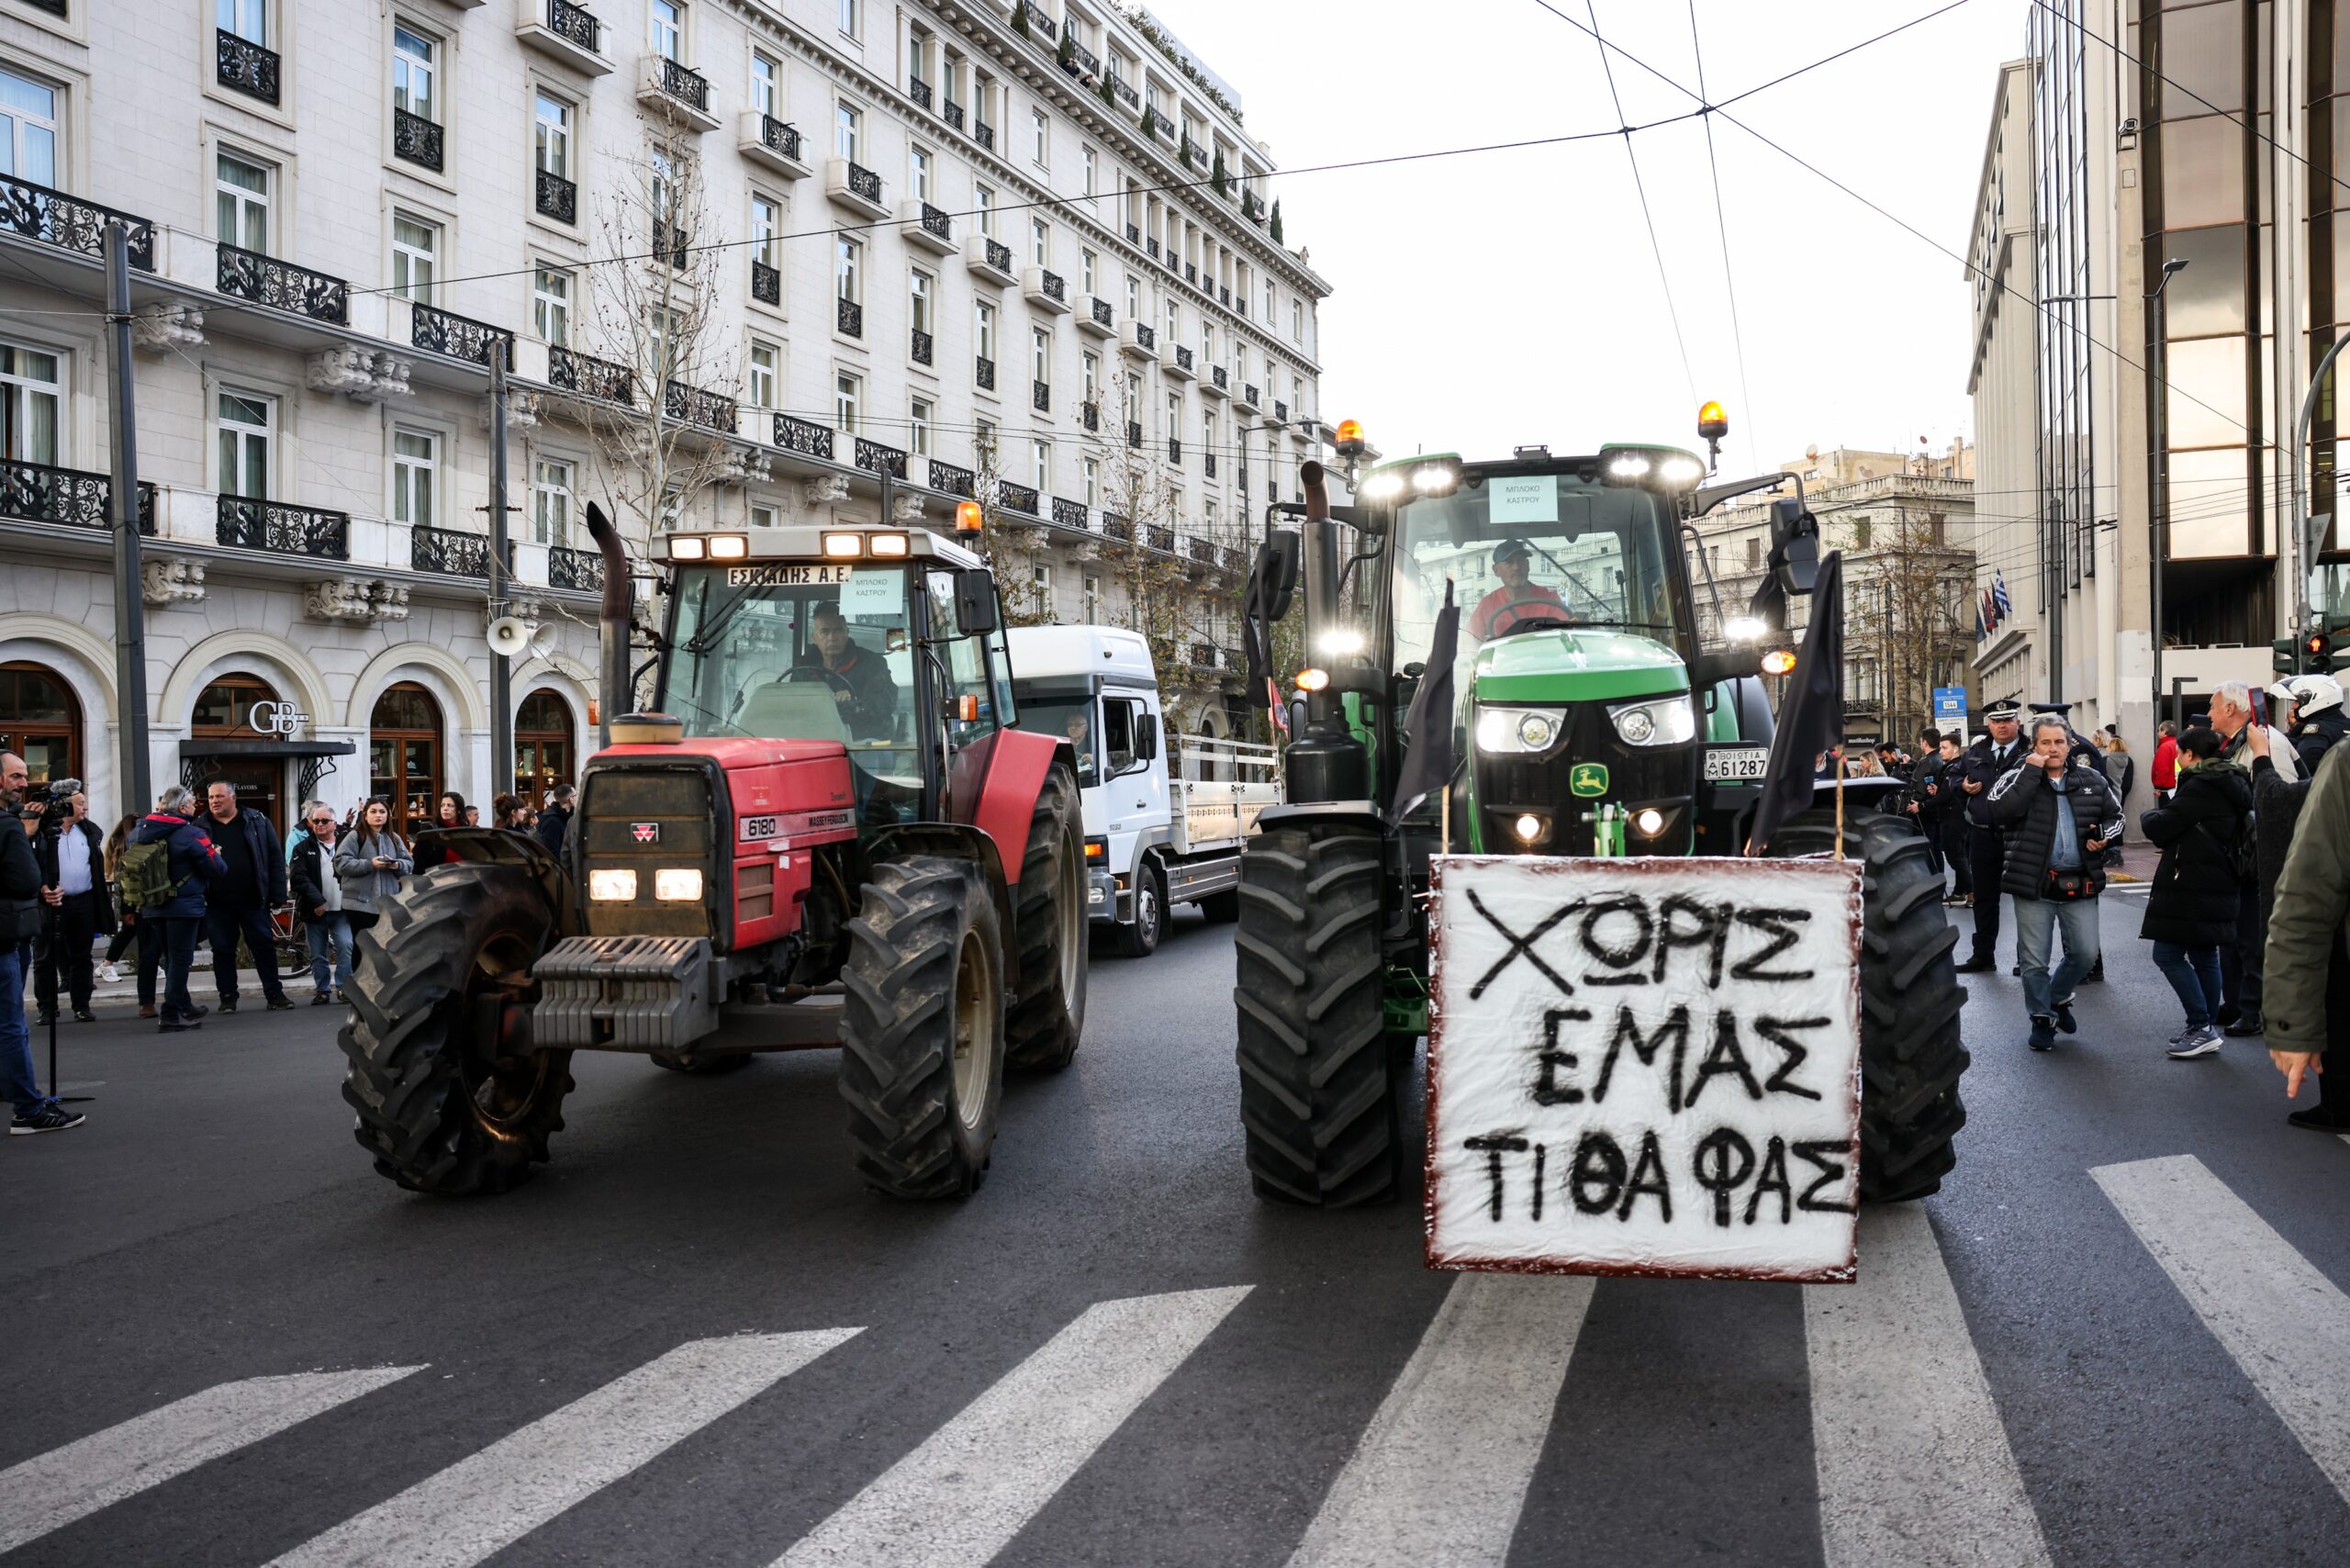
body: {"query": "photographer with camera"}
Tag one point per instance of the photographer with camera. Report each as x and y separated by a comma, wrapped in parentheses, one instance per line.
(73, 863)
(20, 921)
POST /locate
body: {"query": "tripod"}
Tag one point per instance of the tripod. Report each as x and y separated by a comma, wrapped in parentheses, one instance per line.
(53, 922)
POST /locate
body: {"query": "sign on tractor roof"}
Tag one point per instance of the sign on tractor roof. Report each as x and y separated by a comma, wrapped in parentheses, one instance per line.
(1644, 1067)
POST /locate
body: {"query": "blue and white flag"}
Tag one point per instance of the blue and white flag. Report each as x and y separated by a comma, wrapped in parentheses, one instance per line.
(2000, 594)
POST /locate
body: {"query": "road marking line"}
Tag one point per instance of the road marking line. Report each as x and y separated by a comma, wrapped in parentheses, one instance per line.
(2286, 1324)
(1914, 1463)
(56, 1488)
(971, 1485)
(489, 1500)
(1441, 1472)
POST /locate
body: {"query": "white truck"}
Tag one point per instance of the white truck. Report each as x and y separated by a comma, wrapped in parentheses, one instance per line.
(1154, 836)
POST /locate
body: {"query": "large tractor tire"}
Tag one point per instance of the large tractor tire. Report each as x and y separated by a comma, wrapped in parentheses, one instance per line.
(437, 984)
(1321, 1094)
(923, 1028)
(1047, 1011)
(1911, 1056)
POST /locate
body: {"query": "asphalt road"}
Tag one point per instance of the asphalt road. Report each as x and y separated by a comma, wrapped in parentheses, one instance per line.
(694, 1338)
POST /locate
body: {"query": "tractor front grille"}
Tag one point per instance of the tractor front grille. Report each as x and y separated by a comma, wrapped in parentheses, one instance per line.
(647, 818)
(1510, 783)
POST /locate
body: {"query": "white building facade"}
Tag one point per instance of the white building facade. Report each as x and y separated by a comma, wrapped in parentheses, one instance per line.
(1021, 254)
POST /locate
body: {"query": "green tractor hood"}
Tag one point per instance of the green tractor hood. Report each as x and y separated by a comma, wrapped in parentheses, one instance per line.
(1575, 665)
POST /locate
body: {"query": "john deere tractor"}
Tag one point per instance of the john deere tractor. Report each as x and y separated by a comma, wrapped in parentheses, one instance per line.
(1594, 711)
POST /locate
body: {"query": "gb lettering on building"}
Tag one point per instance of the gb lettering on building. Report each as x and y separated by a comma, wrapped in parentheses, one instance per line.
(1644, 1067)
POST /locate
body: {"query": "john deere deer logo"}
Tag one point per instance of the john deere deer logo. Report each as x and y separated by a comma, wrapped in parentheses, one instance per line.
(1588, 778)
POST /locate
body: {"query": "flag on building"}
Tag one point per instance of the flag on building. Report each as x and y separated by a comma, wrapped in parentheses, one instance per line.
(1999, 593)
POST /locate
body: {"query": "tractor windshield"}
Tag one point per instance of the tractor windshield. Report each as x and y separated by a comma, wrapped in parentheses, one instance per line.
(1526, 550)
(797, 651)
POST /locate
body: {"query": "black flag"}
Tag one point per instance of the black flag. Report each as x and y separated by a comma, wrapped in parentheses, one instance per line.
(1811, 717)
(1428, 724)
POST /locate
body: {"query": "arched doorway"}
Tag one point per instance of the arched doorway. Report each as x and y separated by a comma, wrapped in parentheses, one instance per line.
(223, 712)
(404, 752)
(40, 720)
(542, 754)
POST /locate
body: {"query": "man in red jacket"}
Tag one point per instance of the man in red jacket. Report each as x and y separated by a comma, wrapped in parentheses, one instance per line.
(2164, 776)
(1517, 598)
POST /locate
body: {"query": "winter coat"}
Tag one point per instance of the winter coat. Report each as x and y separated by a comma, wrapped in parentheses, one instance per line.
(1977, 765)
(309, 869)
(552, 822)
(266, 887)
(2166, 771)
(2305, 926)
(20, 915)
(2193, 898)
(2024, 809)
(2313, 737)
(364, 886)
(1939, 798)
(193, 863)
(2120, 772)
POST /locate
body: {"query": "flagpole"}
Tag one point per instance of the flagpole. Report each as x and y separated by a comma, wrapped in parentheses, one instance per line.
(1840, 802)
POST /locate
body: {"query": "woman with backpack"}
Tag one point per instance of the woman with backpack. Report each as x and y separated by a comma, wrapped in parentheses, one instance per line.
(164, 871)
(369, 863)
(2191, 906)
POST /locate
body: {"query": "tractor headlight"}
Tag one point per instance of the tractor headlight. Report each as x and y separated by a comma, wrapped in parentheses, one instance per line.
(612, 887)
(1666, 721)
(1519, 729)
(677, 885)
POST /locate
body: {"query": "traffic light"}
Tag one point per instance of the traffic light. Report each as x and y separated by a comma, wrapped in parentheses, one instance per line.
(2323, 649)
(2285, 659)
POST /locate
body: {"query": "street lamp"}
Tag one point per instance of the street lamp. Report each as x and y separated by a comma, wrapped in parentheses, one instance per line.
(2158, 471)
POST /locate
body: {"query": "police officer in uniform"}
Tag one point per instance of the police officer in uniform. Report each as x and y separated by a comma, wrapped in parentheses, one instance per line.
(1984, 763)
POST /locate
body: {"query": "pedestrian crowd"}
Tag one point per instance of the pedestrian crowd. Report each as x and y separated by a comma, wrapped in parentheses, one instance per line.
(196, 868)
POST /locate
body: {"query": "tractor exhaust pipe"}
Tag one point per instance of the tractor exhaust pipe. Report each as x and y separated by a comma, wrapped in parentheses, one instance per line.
(1326, 761)
(612, 626)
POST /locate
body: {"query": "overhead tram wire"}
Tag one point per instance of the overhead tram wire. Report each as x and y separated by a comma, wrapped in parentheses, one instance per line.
(1721, 227)
(1656, 249)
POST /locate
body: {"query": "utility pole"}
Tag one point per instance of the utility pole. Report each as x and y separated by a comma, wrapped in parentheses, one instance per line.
(501, 695)
(2158, 489)
(130, 603)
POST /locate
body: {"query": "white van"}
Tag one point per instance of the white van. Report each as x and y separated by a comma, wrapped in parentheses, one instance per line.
(1152, 840)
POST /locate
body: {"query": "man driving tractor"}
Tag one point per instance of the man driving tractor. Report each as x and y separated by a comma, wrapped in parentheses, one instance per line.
(859, 679)
(1517, 598)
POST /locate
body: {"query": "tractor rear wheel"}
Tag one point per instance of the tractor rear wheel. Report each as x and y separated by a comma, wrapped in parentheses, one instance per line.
(1911, 1054)
(923, 1028)
(440, 986)
(1048, 996)
(1321, 1094)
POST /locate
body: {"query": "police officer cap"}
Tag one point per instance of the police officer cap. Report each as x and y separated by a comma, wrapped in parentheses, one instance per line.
(1513, 550)
(2005, 708)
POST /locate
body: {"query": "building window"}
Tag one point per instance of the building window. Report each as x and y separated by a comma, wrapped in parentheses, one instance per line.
(551, 306)
(918, 417)
(414, 460)
(241, 203)
(766, 85)
(767, 247)
(1085, 271)
(404, 753)
(1174, 416)
(983, 329)
(248, 19)
(1040, 135)
(667, 20)
(550, 501)
(765, 358)
(552, 136)
(28, 115)
(918, 172)
(1090, 475)
(416, 247)
(983, 443)
(1040, 466)
(31, 397)
(1174, 326)
(39, 721)
(849, 395)
(1134, 298)
(1044, 576)
(246, 423)
(542, 747)
(1092, 597)
(1297, 320)
(852, 18)
(849, 269)
(847, 127)
(983, 206)
(1040, 356)
(1040, 243)
(1090, 363)
(762, 516)
(1269, 305)
(412, 71)
(1753, 552)
(918, 291)
(1091, 169)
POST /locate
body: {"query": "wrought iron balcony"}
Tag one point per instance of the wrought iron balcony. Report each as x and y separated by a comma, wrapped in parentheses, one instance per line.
(689, 88)
(248, 522)
(1182, 357)
(1103, 314)
(1134, 234)
(984, 369)
(582, 571)
(1146, 335)
(70, 223)
(452, 554)
(1021, 499)
(1202, 654)
(780, 137)
(983, 134)
(1151, 245)
(766, 284)
(850, 317)
(1174, 449)
(244, 65)
(1281, 412)
(807, 439)
(954, 481)
(1134, 436)
(558, 198)
(1252, 206)
(575, 23)
(416, 139)
(1235, 559)
(1200, 549)
(1070, 514)
(1225, 292)
(1054, 288)
(1040, 397)
(936, 221)
(1207, 463)
(1221, 376)
(36, 492)
(1090, 415)
(265, 280)
(1125, 90)
(459, 337)
(1191, 274)
(1192, 151)
(1116, 527)
(999, 256)
(1159, 537)
(919, 91)
(1249, 396)
(863, 182)
(693, 406)
(952, 112)
(592, 377)
(923, 346)
(875, 458)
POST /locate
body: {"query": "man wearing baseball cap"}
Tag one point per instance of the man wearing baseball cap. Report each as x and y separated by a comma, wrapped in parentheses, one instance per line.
(1518, 598)
(1986, 763)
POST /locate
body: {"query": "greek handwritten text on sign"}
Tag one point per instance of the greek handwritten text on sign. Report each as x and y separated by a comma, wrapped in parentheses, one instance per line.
(1644, 1067)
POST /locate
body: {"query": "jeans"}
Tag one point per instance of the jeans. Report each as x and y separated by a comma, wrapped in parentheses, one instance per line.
(2035, 920)
(18, 1084)
(175, 944)
(330, 935)
(222, 926)
(2194, 973)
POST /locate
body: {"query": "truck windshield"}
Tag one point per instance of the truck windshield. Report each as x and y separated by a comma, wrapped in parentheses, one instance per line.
(1070, 718)
(797, 651)
(1531, 550)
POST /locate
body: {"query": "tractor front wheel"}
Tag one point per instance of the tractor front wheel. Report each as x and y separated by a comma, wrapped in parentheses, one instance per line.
(451, 1099)
(1048, 996)
(923, 1028)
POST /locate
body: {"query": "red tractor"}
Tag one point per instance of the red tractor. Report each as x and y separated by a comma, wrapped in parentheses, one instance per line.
(829, 833)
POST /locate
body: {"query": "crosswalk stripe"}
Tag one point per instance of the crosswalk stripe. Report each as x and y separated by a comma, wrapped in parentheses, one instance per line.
(1442, 1470)
(54, 1489)
(490, 1499)
(2286, 1324)
(1914, 1465)
(971, 1485)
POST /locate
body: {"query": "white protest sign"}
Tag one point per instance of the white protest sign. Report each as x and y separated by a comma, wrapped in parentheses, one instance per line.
(1644, 1066)
(1525, 498)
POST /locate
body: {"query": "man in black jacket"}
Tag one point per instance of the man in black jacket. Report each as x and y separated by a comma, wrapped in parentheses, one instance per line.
(1984, 764)
(555, 821)
(82, 911)
(237, 901)
(2057, 814)
(19, 919)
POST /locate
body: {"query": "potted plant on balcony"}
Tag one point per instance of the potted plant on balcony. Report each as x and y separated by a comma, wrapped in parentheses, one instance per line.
(1216, 177)
(1019, 17)
(1275, 226)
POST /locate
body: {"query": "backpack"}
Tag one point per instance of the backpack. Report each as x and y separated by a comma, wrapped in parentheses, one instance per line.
(145, 875)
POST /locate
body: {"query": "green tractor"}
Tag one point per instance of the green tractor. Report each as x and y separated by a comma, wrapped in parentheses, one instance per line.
(1593, 712)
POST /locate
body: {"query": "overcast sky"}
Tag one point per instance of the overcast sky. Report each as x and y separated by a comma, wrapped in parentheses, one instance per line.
(1496, 298)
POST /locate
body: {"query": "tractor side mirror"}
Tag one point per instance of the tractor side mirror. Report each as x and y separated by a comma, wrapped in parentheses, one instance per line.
(1708, 671)
(974, 602)
(1146, 736)
(1795, 544)
(1277, 561)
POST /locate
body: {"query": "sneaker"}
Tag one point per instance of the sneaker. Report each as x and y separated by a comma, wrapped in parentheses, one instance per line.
(84, 1015)
(227, 1004)
(2196, 1043)
(2064, 1021)
(280, 1003)
(1977, 965)
(109, 974)
(2043, 1033)
(324, 999)
(174, 1026)
(2245, 1027)
(2320, 1119)
(48, 1117)
(42, 1020)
